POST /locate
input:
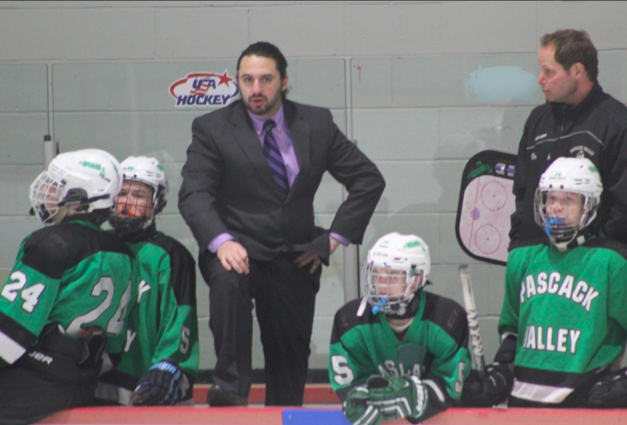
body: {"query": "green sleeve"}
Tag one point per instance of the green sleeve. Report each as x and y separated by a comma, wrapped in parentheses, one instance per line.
(514, 275)
(451, 363)
(178, 323)
(349, 361)
(618, 290)
(27, 298)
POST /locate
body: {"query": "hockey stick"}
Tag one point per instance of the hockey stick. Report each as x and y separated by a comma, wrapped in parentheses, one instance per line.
(473, 323)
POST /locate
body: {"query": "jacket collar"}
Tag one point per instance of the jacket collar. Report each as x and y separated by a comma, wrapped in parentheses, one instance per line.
(572, 111)
(245, 135)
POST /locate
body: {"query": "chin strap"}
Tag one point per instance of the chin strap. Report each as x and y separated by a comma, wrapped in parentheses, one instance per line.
(580, 239)
(410, 309)
(132, 234)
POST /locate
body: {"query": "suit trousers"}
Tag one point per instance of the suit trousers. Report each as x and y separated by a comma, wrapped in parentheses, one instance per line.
(284, 299)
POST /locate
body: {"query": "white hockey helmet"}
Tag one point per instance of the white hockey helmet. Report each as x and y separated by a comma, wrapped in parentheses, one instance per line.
(397, 266)
(149, 171)
(76, 182)
(566, 176)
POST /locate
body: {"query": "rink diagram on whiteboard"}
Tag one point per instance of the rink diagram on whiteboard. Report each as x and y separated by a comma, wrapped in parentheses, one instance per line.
(485, 216)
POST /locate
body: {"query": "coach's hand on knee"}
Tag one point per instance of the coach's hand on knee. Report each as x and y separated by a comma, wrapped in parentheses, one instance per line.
(233, 256)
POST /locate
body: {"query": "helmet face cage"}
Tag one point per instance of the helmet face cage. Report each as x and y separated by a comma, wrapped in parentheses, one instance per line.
(559, 229)
(44, 197)
(397, 266)
(76, 182)
(391, 289)
(567, 199)
(140, 171)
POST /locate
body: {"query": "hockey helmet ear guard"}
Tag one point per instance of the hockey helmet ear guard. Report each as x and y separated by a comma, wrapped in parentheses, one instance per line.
(567, 199)
(75, 182)
(397, 266)
(149, 172)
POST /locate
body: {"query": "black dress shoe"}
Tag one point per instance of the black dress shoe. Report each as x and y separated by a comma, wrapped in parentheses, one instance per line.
(217, 397)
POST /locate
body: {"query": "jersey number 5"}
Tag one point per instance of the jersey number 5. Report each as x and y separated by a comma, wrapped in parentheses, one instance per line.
(343, 374)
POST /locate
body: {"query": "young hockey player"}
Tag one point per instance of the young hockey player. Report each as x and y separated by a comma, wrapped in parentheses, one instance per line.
(563, 322)
(399, 352)
(67, 297)
(160, 361)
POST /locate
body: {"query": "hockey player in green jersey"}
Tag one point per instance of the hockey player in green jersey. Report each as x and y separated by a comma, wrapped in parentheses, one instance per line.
(160, 360)
(563, 322)
(67, 297)
(400, 351)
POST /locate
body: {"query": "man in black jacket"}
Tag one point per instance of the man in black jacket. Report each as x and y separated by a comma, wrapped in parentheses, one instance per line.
(577, 120)
(252, 172)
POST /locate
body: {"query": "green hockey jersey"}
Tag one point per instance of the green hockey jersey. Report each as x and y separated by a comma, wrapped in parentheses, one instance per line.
(75, 275)
(434, 348)
(163, 325)
(568, 312)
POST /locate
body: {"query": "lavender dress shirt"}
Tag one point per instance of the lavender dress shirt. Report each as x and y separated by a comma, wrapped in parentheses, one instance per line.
(286, 146)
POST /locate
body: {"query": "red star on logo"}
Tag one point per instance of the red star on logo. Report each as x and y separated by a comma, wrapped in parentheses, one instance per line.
(224, 79)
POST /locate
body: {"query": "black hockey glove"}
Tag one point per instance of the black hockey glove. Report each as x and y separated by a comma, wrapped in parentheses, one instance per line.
(611, 391)
(498, 382)
(473, 393)
(64, 358)
(159, 386)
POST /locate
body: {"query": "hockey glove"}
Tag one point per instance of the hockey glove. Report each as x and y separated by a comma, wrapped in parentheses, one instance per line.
(473, 392)
(356, 409)
(397, 397)
(611, 391)
(159, 386)
(498, 382)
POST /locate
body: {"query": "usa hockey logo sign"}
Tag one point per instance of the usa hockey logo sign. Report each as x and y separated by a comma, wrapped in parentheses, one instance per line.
(204, 89)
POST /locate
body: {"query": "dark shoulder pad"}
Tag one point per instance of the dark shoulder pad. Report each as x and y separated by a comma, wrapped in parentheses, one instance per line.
(54, 249)
(602, 242)
(182, 268)
(448, 315)
(346, 319)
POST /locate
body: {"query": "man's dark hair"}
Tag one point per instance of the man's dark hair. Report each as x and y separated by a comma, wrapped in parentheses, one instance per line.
(267, 50)
(572, 46)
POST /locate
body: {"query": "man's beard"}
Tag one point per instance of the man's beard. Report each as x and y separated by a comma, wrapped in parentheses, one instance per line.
(263, 109)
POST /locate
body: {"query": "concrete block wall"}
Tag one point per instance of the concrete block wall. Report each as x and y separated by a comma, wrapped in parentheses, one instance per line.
(394, 74)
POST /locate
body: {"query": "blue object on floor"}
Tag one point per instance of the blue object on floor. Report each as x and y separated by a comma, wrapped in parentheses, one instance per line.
(314, 417)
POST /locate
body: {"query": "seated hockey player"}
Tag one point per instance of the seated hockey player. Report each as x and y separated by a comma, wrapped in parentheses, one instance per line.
(160, 361)
(563, 322)
(399, 352)
(66, 298)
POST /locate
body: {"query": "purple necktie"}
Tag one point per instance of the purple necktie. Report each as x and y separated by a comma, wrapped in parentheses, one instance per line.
(274, 158)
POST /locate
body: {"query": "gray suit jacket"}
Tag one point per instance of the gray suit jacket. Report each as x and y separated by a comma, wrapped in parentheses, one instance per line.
(228, 186)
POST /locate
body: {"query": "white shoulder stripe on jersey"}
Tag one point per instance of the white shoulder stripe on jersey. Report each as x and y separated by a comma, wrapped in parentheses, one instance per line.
(10, 350)
(541, 393)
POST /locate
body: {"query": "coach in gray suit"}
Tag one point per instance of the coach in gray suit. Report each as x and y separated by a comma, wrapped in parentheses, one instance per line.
(252, 172)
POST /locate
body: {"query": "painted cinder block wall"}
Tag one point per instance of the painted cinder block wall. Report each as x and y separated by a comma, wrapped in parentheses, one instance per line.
(96, 74)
